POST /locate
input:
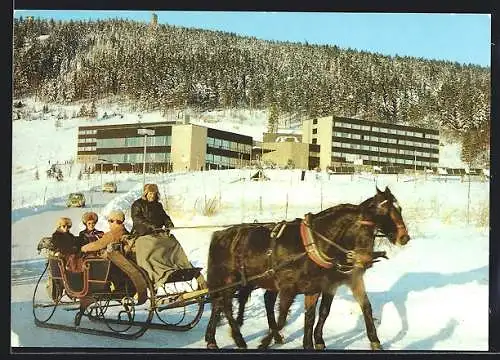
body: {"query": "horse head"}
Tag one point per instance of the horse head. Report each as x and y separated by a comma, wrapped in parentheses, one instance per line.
(384, 210)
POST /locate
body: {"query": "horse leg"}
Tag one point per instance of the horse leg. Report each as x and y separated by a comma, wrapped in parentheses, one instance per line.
(270, 301)
(310, 302)
(286, 300)
(324, 311)
(235, 328)
(358, 290)
(243, 295)
(212, 323)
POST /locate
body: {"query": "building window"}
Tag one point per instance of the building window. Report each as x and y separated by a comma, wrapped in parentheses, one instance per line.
(315, 131)
(315, 121)
(314, 141)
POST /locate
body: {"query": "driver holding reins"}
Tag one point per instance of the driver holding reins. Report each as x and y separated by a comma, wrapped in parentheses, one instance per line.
(157, 251)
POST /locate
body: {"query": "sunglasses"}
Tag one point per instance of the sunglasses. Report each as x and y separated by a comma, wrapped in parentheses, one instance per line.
(90, 222)
(115, 221)
(66, 226)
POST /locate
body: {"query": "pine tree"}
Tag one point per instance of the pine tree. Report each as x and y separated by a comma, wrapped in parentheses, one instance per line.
(83, 111)
(93, 110)
(272, 122)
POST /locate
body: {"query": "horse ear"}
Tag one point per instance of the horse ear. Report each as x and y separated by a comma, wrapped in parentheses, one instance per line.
(378, 190)
(387, 191)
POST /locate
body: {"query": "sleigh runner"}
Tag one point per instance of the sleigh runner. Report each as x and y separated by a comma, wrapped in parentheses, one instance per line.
(116, 296)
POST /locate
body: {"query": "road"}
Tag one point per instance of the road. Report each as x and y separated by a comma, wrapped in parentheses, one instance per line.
(29, 225)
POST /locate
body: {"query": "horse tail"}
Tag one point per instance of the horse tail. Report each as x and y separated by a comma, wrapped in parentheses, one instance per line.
(219, 256)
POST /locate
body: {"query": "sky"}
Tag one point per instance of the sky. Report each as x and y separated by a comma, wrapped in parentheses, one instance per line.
(462, 38)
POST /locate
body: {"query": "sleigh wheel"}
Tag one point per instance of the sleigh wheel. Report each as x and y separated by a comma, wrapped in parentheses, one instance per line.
(180, 304)
(46, 297)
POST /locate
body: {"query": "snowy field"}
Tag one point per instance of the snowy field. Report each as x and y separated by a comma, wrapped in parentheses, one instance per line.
(430, 295)
(442, 272)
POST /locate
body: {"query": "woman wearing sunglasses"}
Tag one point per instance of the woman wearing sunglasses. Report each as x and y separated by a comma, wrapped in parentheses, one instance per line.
(117, 229)
(63, 240)
(67, 246)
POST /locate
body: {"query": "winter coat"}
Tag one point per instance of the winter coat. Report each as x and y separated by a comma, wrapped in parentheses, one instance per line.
(113, 236)
(147, 216)
(66, 243)
(87, 236)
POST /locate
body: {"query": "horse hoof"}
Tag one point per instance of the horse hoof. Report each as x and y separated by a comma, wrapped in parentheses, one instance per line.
(319, 346)
(376, 346)
(278, 338)
(212, 346)
(241, 345)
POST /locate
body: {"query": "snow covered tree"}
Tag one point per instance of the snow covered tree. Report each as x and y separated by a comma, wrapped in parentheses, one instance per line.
(272, 122)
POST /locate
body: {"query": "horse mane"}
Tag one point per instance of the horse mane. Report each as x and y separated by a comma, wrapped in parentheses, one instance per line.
(336, 210)
(366, 203)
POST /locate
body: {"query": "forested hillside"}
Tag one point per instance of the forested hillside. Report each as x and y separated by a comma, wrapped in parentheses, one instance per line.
(164, 67)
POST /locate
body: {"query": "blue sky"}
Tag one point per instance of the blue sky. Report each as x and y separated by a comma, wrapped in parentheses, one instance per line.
(464, 38)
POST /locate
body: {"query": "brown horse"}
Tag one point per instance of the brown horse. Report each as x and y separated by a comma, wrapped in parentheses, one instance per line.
(308, 257)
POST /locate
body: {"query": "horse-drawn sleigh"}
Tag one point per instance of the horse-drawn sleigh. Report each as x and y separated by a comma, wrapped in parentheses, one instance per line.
(117, 296)
(310, 256)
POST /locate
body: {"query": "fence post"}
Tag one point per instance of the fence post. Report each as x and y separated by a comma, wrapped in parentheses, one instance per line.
(321, 194)
(44, 194)
(468, 200)
(286, 206)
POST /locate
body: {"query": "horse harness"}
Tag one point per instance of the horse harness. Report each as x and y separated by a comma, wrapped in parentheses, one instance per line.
(312, 251)
(307, 234)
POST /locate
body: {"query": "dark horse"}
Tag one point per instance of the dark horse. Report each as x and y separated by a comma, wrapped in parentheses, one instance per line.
(310, 256)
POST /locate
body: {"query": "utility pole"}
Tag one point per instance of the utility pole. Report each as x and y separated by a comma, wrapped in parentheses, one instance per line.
(145, 132)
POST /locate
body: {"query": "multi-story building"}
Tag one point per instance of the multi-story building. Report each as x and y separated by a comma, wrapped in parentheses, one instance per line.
(173, 147)
(287, 149)
(372, 143)
(290, 153)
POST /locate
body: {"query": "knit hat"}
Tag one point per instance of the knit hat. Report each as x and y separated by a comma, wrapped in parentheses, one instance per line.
(116, 215)
(63, 221)
(89, 216)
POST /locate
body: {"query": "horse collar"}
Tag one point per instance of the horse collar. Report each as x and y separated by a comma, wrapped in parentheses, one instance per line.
(367, 222)
(313, 252)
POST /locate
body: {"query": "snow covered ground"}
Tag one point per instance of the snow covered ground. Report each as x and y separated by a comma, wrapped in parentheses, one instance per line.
(430, 295)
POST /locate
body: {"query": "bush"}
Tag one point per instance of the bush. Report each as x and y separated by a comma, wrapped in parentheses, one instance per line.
(207, 207)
